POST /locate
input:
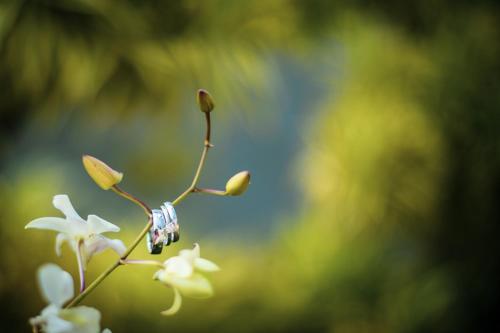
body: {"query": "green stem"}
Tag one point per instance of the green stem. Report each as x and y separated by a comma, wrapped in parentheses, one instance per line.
(192, 188)
(209, 191)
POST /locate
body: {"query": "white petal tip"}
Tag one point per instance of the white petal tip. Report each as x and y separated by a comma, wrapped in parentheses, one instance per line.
(168, 313)
(30, 225)
(205, 265)
(176, 305)
(100, 225)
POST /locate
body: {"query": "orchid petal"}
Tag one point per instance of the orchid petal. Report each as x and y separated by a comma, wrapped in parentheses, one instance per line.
(197, 286)
(176, 305)
(56, 285)
(205, 265)
(99, 243)
(50, 310)
(83, 318)
(178, 266)
(191, 255)
(117, 246)
(60, 239)
(54, 324)
(51, 223)
(98, 225)
(62, 202)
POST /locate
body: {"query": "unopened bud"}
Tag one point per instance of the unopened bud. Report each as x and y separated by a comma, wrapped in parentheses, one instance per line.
(238, 183)
(101, 173)
(205, 100)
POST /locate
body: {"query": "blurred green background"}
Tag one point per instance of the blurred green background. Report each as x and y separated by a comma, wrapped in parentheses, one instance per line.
(372, 131)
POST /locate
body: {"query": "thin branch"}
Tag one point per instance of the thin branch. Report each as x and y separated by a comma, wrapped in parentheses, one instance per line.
(209, 191)
(209, 128)
(132, 198)
(207, 145)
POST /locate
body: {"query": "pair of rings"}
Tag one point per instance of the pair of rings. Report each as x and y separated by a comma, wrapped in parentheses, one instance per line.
(165, 229)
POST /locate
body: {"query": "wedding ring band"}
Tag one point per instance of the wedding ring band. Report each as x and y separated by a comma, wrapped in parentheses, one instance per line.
(165, 229)
(155, 234)
(172, 228)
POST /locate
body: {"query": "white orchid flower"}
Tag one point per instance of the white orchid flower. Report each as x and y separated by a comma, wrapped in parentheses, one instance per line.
(183, 274)
(56, 286)
(84, 237)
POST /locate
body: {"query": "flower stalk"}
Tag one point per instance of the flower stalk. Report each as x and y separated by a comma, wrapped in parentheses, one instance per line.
(207, 145)
(132, 198)
(209, 191)
(192, 188)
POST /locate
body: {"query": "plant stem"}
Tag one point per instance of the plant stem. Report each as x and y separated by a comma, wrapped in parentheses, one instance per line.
(147, 210)
(209, 191)
(207, 145)
(132, 198)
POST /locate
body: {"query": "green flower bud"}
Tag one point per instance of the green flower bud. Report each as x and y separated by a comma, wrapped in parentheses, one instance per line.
(101, 173)
(204, 100)
(238, 183)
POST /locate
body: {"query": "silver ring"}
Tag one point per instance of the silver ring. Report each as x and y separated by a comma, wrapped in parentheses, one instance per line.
(155, 234)
(164, 230)
(171, 232)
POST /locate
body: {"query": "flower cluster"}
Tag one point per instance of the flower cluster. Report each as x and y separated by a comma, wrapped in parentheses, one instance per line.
(183, 273)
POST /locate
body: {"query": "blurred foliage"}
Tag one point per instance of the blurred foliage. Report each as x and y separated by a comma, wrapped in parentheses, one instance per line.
(399, 171)
(117, 57)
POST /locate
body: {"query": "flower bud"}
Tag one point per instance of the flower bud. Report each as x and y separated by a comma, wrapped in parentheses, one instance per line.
(101, 173)
(238, 183)
(204, 100)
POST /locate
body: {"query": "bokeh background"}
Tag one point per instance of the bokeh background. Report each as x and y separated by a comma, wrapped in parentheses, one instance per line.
(372, 131)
